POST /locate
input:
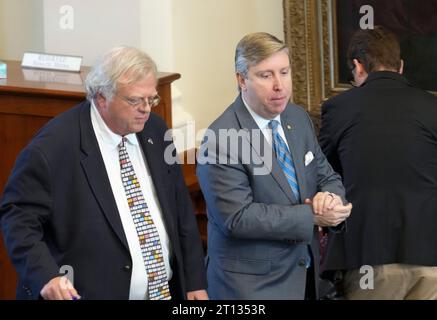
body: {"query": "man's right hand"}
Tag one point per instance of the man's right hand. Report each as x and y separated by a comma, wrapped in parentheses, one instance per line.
(59, 288)
(334, 217)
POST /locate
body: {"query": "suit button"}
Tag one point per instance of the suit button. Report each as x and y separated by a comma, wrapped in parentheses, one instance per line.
(126, 268)
(27, 290)
(302, 263)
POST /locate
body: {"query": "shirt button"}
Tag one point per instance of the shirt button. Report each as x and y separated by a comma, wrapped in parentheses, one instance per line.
(126, 268)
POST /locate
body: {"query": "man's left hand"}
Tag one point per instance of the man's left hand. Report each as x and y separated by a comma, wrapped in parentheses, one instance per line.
(197, 295)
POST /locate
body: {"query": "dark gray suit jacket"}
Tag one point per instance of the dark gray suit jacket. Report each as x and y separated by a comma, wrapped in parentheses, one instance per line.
(258, 232)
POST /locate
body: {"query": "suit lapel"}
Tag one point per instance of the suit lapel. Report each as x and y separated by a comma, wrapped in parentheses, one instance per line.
(293, 142)
(95, 171)
(247, 123)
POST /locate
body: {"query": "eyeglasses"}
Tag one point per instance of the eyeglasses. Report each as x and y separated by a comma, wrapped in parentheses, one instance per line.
(137, 102)
(352, 67)
(351, 79)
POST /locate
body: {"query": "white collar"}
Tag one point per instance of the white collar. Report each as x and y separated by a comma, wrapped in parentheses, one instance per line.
(107, 136)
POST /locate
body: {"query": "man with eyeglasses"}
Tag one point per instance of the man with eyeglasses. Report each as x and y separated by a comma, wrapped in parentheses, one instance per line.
(92, 194)
(382, 138)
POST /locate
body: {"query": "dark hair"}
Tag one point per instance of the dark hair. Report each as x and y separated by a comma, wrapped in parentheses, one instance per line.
(375, 49)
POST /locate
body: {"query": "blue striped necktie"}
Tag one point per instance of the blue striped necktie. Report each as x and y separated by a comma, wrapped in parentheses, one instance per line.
(284, 158)
(286, 162)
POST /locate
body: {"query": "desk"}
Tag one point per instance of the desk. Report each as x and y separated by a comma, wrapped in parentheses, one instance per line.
(28, 99)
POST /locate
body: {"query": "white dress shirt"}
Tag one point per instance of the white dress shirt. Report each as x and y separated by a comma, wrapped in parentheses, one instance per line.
(263, 124)
(108, 143)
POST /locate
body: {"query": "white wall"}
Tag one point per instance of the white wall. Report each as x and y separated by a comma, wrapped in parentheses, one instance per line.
(196, 38)
(205, 35)
(21, 28)
(157, 39)
(157, 32)
(89, 28)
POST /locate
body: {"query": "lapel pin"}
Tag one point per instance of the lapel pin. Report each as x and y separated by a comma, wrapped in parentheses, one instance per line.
(289, 127)
(150, 140)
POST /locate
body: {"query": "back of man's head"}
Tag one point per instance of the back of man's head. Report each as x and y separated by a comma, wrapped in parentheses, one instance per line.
(376, 49)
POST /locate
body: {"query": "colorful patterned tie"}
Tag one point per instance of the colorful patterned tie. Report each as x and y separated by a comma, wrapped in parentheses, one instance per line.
(284, 158)
(146, 229)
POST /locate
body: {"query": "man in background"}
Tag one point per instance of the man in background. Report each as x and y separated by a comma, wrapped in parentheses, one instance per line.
(382, 138)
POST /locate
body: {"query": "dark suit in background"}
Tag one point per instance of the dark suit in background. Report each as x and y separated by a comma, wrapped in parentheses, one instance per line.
(382, 138)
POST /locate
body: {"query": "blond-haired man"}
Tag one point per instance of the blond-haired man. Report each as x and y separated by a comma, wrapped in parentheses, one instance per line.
(266, 197)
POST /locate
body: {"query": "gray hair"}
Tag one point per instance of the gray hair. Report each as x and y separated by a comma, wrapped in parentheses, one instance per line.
(254, 48)
(119, 66)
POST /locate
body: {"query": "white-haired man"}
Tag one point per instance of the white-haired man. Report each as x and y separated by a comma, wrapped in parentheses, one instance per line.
(92, 192)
